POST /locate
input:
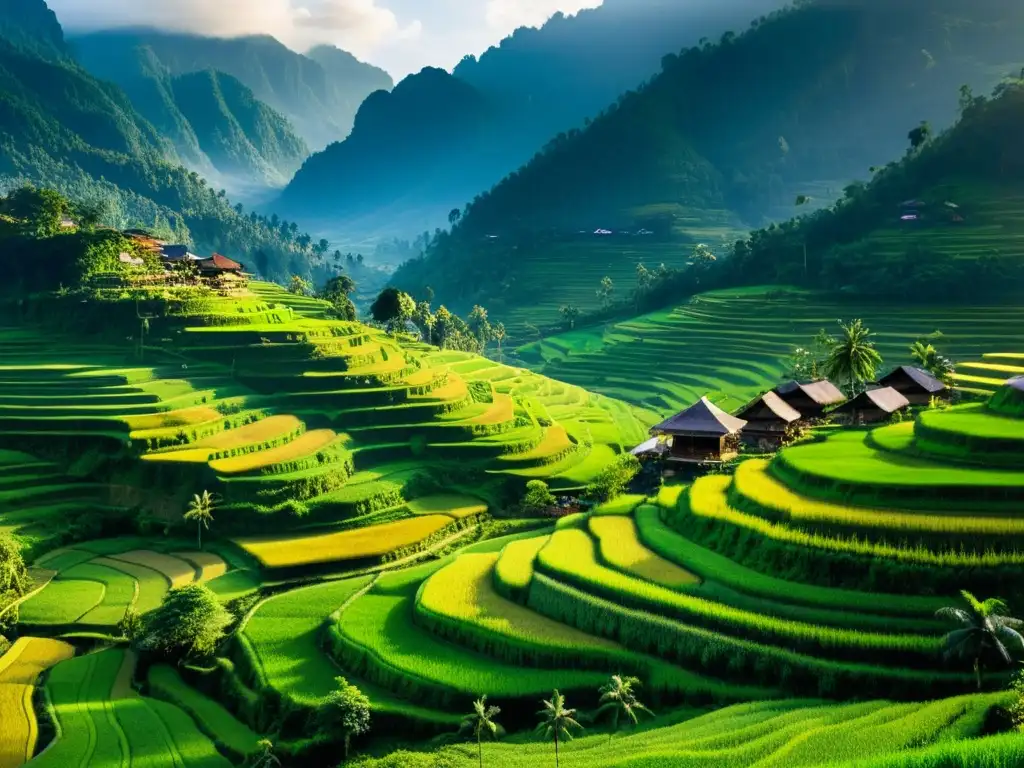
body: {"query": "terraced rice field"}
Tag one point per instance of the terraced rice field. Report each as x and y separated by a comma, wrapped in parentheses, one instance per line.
(96, 582)
(100, 728)
(357, 544)
(736, 344)
(784, 733)
(20, 669)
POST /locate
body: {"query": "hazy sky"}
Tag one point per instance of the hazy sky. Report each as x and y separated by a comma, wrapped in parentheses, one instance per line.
(402, 36)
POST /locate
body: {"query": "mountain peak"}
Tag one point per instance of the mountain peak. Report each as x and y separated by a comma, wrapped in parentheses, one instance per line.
(31, 24)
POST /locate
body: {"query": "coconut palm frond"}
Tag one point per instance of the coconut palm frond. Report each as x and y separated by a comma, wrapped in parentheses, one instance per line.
(958, 615)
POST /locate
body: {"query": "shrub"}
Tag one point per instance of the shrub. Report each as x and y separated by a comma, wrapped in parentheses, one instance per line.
(189, 624)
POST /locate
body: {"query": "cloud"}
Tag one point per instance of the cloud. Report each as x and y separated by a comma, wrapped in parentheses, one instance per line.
(507, 15)
(358, 25)
(401, 35)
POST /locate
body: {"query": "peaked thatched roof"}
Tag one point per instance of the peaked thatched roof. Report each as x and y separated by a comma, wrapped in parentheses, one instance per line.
(775, 404)
(884, 398)
(919, 376)
(701, 418)
(822, 392)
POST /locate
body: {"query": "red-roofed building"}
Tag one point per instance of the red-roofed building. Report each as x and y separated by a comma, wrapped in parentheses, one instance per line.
(217, 265)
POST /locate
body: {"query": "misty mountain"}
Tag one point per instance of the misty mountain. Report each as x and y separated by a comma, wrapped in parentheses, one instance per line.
(217, 125)
(32, 26)
(802, 103)
(319, 94)
(61, 127)
(536, 83)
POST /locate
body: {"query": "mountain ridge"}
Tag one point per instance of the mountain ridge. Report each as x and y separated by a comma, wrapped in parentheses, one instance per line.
(320, 107)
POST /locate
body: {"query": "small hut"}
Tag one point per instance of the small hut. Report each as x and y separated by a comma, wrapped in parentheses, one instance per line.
(217, 266)
(810, 400)
(770, 420)
(703, 433)
(915, 384)
(655, 448)
(874, 406)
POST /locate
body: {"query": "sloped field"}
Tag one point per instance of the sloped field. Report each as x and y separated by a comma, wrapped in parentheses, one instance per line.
(735, 344)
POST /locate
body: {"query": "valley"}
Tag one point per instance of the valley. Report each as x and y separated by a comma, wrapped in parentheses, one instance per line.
(695, 440)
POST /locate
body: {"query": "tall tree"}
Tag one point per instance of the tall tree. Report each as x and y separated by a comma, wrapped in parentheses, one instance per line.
(479, 722)
(644, 279)
(570, 314)
(200, 509)
(480, 326)
(605, 291)
(984, 630)
(188, 624)
(927, 357)
(557, 722)
(853, 357)
(345, 712)
(454, 216)
(393, 308)
(619, 699)
(499, 334)
(920, 135)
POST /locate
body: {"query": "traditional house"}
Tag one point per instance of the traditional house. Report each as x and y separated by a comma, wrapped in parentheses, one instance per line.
(915, 384)
(873, 406)
(703, 433)
(810, 400)
(177, 254)
(770, 420)
(218, 266)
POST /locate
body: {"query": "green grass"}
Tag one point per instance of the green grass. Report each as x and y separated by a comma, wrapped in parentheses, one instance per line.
(799, 733)
(721, 570)
(378, 640)
(736, 344)
(96, 730)
(570, 556)
(212, 718)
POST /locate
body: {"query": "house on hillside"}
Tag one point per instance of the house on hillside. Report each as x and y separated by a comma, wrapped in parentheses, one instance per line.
(218, 266)
(873, 406)
(701, 434)
(915, 384)
(177, 254)
(770, 422)
(810, 400)
(221, 272)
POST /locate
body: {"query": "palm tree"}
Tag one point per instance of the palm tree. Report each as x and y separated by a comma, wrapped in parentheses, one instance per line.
(200, 509)
(984, 628)
(619, 698)
(499, 334)
(556, 721)
(481, 721)
(853, 356)
(266, 757)
(927, 356)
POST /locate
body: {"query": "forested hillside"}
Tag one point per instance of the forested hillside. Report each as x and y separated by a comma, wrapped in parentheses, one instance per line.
(537, 83)
(217, 125)
(61, 127)
(795, 108)
(319, 93)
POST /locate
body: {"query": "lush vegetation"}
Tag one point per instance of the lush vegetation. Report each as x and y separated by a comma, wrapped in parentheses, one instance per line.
(661, 163)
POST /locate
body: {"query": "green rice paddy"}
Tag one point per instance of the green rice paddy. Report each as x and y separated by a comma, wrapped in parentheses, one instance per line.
(354, 469)
(735, 344)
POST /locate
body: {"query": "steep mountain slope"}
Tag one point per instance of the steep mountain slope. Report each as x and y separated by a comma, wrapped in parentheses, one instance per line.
(403, 141)
(61, 127)
(318, 95)
(31, 25)
(236, 131)
(800, 104)
(537, 83)
(216, 124)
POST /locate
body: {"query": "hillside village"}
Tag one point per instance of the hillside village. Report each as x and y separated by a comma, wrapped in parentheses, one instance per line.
(696, 441)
